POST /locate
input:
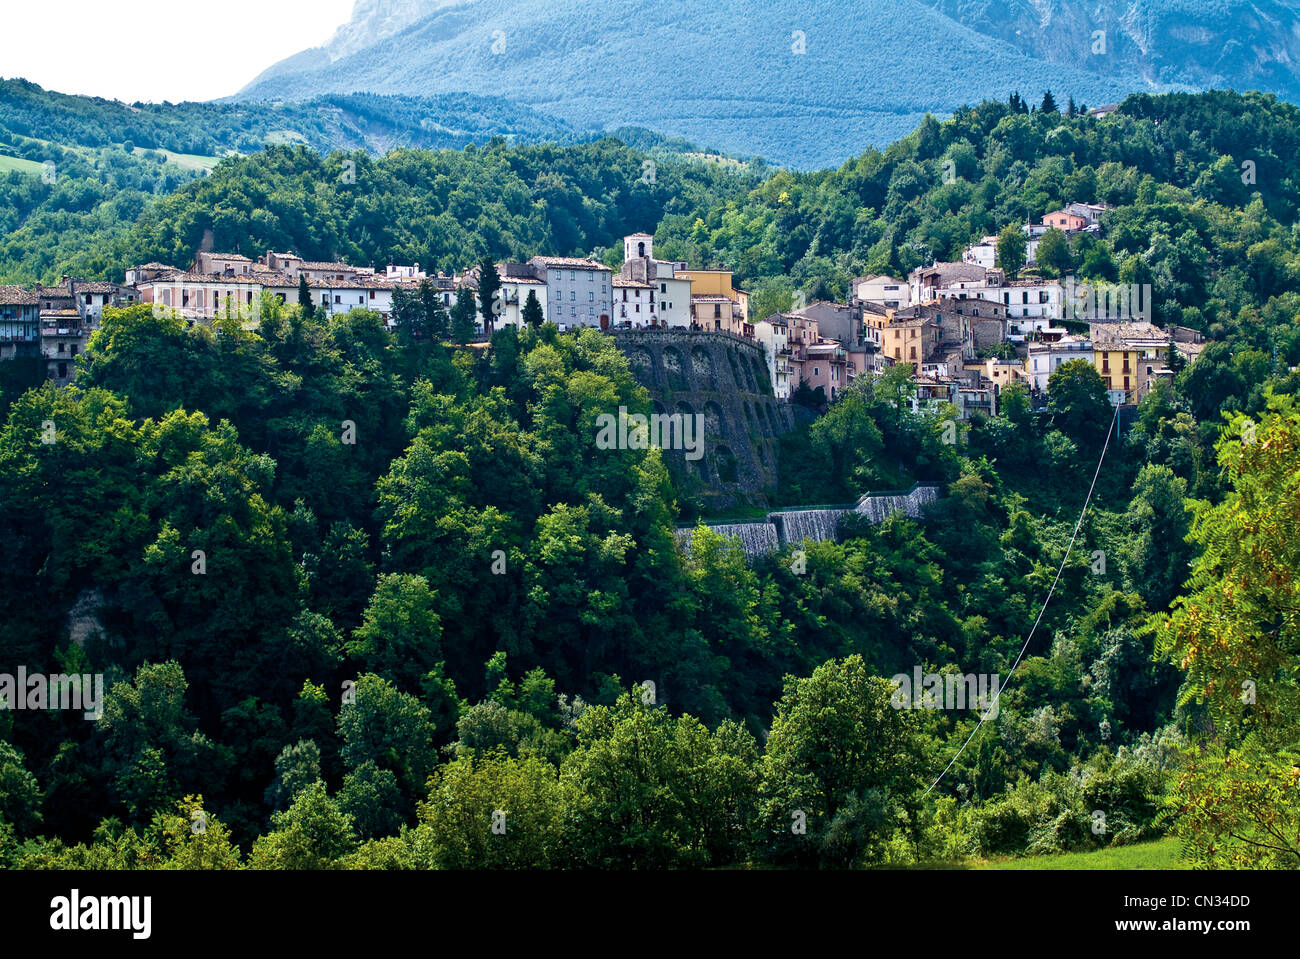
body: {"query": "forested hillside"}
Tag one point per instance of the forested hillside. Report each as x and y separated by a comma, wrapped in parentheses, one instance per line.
(340, 121)
(353, 654)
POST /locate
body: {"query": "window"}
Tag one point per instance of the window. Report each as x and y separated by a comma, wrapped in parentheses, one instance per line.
(573, 295)
(591, 297)
(573, 274)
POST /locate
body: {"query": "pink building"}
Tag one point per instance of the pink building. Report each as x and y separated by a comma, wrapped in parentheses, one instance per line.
(1064, 220)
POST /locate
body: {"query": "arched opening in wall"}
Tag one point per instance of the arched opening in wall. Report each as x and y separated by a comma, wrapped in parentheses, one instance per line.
(762, 380)
(749, 414)
(735, 370)
(706, 374)
(675, 370)
(642, 365)
(660, 410)
(769, 408)
(762, 453)
(702, 466)
(726, 460)
(687, 430)
(715, 421)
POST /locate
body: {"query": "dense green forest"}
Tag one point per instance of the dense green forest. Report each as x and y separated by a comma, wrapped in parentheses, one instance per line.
(354, 594)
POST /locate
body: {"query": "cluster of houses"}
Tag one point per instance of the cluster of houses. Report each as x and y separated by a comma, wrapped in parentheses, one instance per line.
(1070, 219)
(55, 322)
(948, 320)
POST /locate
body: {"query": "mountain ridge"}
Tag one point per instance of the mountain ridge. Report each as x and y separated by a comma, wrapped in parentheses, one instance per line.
(803, 85)
(799, 85)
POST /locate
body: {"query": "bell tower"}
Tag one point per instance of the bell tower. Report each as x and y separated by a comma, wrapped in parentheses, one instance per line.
(638, 246)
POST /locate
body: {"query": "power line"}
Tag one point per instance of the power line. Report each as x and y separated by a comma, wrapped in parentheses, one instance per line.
(1077, 526)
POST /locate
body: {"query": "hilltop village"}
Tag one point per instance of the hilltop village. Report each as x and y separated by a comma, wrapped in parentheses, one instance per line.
(967, 328)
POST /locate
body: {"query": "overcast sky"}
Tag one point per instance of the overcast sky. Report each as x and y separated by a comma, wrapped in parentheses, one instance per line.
(158, 49)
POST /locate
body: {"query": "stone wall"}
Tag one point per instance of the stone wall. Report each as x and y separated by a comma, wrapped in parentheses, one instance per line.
(791, 526)
(725, 378)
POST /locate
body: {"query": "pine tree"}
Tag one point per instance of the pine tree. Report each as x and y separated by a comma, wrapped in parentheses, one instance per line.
(1070, 109)
(433, 313)
(462, 317)
(304, 299)
(406, 315)
(532, 311)
(1049, 103)
(489, 283)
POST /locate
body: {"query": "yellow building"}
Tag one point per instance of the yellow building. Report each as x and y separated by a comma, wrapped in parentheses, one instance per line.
(1129, 357)
(999, 372)
(709, 288)
(904, 336)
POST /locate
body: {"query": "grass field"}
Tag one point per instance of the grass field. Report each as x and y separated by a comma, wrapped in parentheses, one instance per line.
(1161, 854)
(8, 163)
(187, 161)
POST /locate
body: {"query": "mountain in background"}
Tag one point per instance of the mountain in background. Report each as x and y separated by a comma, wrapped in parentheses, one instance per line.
(1243, 44)
(799, 83)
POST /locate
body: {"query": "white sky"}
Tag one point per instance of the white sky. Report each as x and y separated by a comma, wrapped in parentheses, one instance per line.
(158, 49)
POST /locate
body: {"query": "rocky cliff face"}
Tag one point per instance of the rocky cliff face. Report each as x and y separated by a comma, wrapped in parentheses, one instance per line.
(376, 20)
(1243, 44)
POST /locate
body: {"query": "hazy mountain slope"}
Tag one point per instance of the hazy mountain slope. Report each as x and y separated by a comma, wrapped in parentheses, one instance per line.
(363, 121)
(723, 74)
(1243, 44)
